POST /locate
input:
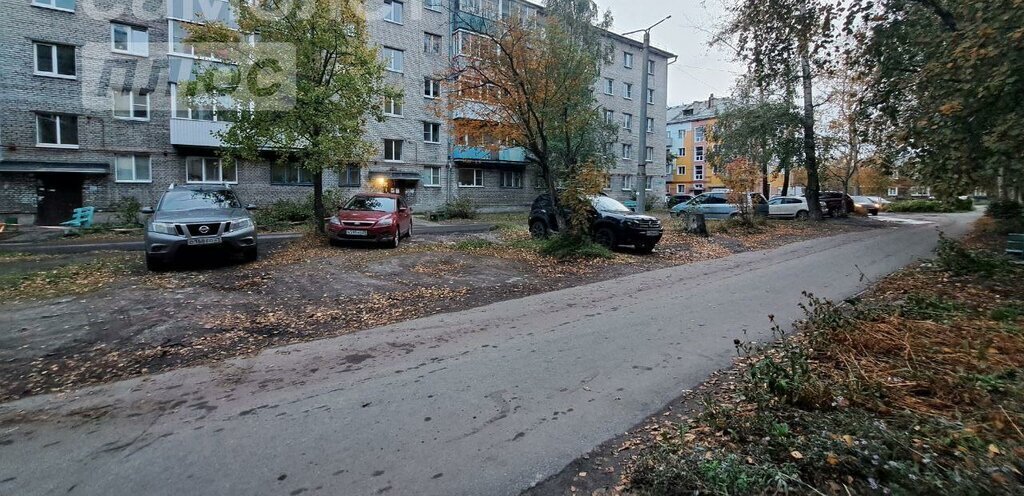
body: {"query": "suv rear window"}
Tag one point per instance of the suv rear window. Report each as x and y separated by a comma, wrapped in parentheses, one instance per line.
(190, 199)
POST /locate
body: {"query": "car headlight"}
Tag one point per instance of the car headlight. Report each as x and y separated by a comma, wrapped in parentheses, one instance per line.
(385, 222)
(335, 221)
(163, 228)
(240, 224)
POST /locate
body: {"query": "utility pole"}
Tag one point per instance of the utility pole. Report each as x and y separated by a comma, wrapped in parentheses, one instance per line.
(641, 169)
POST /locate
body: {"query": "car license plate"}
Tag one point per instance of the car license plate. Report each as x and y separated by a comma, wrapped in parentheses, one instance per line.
(653, 233)
(352, 232)
(204, 241)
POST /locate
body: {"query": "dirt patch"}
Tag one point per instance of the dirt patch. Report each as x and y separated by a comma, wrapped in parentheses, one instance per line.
(129, 322)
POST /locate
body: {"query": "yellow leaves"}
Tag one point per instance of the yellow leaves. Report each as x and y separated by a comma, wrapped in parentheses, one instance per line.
(951, 108)
(848, 439)
(796, 455)
(832, 459)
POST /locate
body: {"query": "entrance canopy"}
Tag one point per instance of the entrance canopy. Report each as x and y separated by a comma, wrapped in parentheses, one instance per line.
(54, 167)
(393, 175)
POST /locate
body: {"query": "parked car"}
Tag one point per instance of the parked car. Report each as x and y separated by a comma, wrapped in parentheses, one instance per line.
(611, 223)
(192, 219)
(717, 205)
(883, 204)
(789, 207)
(677, 199)
(864, 205)
(372, 217)
(837, 203)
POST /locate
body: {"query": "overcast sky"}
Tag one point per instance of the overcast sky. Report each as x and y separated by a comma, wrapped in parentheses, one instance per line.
(700, 70)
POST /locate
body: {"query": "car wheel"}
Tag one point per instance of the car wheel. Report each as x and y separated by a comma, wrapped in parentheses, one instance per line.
(408, 234)
(538, 229)
(605, 237)
(645, 248)
(802, 215)
(398, 239)
(155, 264)
(251, 254)
(333, 242)
(874, 213)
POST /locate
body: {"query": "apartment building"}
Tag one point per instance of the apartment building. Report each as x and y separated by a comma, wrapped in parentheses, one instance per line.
(688, 128)
(92, 113)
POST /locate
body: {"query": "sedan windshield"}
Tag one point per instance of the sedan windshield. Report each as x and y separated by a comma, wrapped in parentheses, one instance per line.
(186, 199)
(605, 204)
(863, 199)
(371, 204)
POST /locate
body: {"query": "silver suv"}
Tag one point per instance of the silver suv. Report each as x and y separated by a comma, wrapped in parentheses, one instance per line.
(191, 219)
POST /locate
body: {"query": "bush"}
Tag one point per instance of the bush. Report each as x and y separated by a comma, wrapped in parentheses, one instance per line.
(126, 212)
(962, 205)
(283, 212)
(930, 206)
(1004, 209)
(954, 257)
(459, 208)
(567, 247)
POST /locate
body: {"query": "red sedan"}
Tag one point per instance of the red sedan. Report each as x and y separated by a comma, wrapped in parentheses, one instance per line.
(372, 217)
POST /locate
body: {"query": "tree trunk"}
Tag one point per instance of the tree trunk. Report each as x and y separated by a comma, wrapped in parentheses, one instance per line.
(810, 153)
(785, 180)
(318, 202)
(555, 202)
(765, 187)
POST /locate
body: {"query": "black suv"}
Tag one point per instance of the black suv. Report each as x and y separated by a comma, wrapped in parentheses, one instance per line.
(837, 203)
(611, 223)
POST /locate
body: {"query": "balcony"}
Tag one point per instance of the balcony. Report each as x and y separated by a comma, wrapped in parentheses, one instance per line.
(512, 155)
(190, 132)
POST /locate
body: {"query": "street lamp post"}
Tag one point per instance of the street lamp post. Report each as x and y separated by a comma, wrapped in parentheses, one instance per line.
(641, 169)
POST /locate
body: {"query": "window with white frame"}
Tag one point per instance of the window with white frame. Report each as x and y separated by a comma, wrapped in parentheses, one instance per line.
(393, 11)
(894, 192)
(650, 96)
(649, 154)
(132, 169)
(698, 153)
(127, 39)
(202, 108)
(431, 43)
(511, 179)
(393, 150)
(350, 176)
(680, 189)
(394, 59)
(627, 60)
(627, 151)
(131, 105)
(609, 86)
(698, 134)
(627, 91)
(289, 174)
(682, 152)
(431, 176)
(471, 178)
(649, 183)
(392, 106)
(681, 170)
(628, 182)
(432, 4)
(177, 35)
(431, 88)
(67, 5)
(607, 182)
(609, 116)
(209, 170)
(431, 132)
(650, 125)
(698, 173)
(57, 130)
(682, 134)
(55, 60)
(627, 122)
(650, 67)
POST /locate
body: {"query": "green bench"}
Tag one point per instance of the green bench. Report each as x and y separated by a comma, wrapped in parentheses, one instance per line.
(82, 217)
(1015, 245)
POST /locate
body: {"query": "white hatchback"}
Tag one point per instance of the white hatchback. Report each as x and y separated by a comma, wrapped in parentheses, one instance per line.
(788, 207)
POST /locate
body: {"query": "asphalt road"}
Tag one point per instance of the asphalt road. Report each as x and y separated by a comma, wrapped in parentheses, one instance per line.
(480, 402)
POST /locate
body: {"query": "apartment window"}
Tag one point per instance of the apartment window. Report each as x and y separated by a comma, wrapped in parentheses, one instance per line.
(681, 170)
(628, 182)
(431, 88)
(649, 154)
(132, 169)
(202, 109)
(432, 4)
(350, 176)
(393, 11)
(57, 130)
(392, 106)
(682, 134)
(698, 153)
(55, 60)
(698, 134)
(649, 183)
(431, 132)
(627, 122)
(289, 174)
(627, 91)
(650, 67)
(431, 176)
(609, 116)
(609, 86)
(894, 192)
(682, 152)
(698, 173)
(131, 105)
(607, 182)
(627, 151)
(511, 179)
(627, 60)
(471, 178)
(394, 59)
(209, 170)
(393, 150)
(68, 5)
(680, 189)
(431, 43)
(129, 39)
(650, 96)
(650, 125)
